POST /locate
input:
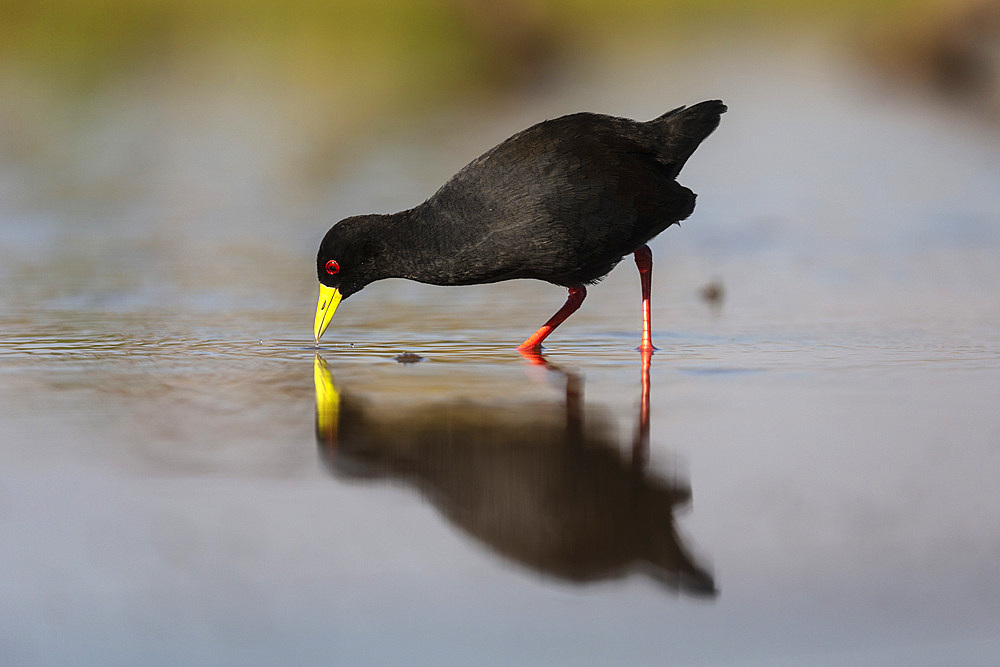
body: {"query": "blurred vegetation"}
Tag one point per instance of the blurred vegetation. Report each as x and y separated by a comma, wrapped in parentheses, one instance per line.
(952, 51)
(91, 90)
(408, 47)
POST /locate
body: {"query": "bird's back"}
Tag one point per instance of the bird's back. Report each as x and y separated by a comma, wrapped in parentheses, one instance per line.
(564, 200)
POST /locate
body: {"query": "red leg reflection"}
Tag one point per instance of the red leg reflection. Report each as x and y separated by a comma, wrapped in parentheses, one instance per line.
(574, 404)
(640, 446)
(644, 261)
(533, 356)
(576, 297)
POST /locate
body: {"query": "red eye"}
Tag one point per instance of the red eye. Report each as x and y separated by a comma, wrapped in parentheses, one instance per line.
(332, 267)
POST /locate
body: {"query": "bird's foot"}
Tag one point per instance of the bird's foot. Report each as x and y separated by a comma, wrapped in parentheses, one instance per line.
(533, 353)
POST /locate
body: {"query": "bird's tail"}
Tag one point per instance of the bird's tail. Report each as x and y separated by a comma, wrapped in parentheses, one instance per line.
(683, 129)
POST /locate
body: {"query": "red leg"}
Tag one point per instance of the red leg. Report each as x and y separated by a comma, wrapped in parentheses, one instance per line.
(644, 261)
(576, 297)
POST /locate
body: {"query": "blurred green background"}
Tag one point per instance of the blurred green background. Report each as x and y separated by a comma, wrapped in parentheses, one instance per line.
(382, 50)
(314, 78)
(337, 67)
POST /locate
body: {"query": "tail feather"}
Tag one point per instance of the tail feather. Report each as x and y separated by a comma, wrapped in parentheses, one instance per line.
(682, 130)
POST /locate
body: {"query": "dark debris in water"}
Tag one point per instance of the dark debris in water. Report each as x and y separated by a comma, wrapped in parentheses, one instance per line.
(408, 358)
(713, 293)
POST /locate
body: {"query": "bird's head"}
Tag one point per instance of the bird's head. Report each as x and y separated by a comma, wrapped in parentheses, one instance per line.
(344, 264)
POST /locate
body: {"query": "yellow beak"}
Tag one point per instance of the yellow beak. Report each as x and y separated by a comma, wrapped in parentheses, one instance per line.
(329, 299)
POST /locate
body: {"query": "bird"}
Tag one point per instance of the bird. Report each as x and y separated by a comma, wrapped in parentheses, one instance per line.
(563, 201)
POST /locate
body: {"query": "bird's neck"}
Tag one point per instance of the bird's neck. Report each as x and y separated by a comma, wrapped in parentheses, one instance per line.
(407, 247)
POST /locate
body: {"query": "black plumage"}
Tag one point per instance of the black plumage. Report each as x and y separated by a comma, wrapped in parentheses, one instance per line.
(562, 201)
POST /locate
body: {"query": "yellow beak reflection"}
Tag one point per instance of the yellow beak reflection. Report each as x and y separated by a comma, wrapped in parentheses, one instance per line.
(329, 299)
(327, 404)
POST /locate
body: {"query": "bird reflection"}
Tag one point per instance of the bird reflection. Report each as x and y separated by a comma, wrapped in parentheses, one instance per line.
(541, 483)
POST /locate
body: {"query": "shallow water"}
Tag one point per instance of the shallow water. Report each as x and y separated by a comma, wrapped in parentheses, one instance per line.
(180, 479)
